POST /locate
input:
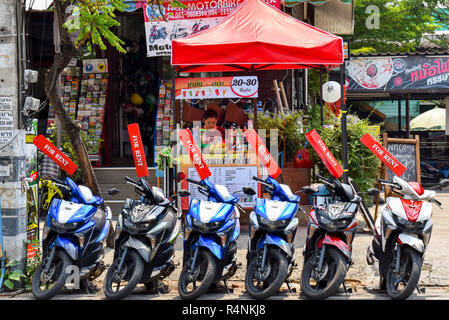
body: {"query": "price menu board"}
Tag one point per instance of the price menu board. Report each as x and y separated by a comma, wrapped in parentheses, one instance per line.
(234, 178)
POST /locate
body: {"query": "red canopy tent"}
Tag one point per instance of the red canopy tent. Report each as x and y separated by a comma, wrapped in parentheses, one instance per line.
(257, 36)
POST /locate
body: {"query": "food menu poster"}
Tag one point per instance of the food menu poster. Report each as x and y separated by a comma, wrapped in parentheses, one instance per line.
(397, 73)
(232, 177)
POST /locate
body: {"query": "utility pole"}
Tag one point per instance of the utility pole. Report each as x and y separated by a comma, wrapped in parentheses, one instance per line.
(12, 137)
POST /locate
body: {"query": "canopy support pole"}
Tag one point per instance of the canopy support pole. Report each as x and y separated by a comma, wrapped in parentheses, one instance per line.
(343, 124)
(399, 116)
(321, 98)
(407, 117)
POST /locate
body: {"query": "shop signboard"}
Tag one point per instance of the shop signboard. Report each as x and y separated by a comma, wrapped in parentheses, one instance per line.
(405, 73)
(216, 88)
(325, 155)
(198, 15)
(55, 154)
(138, 150)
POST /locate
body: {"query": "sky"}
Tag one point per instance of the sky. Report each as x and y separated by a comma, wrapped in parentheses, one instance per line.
(37, 4)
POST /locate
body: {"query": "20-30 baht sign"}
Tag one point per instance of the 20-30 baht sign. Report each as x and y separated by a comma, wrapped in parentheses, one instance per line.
(218, 87)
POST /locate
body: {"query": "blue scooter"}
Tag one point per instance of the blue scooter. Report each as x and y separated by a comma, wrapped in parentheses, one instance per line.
(73, 238)
(156, 34)
(270, 257)
(211, 230)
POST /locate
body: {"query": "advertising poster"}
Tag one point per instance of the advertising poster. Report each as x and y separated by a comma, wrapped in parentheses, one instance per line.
(179, 22)
(32, 192)
(215, 88)
(413, 73)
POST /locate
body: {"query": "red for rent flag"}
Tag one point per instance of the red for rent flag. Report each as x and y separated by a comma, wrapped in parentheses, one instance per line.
(55, 154)
(383, 154)
(264, 156)
(138, 151)
(325, 155)
(195, 153)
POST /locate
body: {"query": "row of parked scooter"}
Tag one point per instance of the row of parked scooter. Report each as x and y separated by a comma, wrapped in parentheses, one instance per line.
(76, 228)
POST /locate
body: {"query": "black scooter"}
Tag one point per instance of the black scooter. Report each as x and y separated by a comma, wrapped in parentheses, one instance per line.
(145, 236)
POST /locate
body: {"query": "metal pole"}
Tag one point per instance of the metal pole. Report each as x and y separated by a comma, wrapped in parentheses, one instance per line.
(407, 117)
(344, 137)
(321, 97)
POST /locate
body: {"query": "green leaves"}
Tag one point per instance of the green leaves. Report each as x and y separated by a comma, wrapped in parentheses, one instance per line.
(402, 24)
(12, 275)
(363, 165)
(94, 19)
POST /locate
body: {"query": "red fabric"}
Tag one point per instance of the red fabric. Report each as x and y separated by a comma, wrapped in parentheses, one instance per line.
(138, 150)
(55, 154)
(195, 153)
(260, 36)
(323, 152)
(386, 157)
(262, 153)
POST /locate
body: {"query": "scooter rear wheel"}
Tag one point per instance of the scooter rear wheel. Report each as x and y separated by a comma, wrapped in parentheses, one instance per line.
(260, 285)
(131, 272)
(204, 272)
(321, 286)
(409, 273)
(45, 286)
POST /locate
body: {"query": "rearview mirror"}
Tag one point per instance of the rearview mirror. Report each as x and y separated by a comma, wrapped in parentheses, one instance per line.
(184, 193)
(444, 183)
(113, 191)
(248, 191)
(373, 191)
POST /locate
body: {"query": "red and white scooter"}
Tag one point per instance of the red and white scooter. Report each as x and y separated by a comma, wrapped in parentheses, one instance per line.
(402, 234)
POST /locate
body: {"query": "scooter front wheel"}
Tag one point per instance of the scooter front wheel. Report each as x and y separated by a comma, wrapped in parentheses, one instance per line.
(204, 272)
(400, 285)
(45, 285)
(321, 284)
(120, 283)
(262, 284)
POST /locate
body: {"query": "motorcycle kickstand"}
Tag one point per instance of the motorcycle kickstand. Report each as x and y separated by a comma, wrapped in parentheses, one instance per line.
(288, 286)
(226, 287)
(89, 289)
(420, 290)
(346, 289)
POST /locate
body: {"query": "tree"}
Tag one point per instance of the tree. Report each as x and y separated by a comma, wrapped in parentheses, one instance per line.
(95, 19)
(402, 25)
(94, 22)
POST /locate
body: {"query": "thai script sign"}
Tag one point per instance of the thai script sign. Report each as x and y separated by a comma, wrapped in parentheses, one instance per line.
(416, 73)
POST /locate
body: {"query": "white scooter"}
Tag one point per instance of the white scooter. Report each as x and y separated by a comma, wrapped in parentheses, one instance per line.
(402, 234)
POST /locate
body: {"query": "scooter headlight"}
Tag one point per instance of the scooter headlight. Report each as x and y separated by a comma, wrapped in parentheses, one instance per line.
(206, 227)
(409, 225)
(273, 225)
(64, 227)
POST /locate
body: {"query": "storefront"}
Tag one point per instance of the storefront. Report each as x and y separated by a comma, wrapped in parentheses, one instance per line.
(402, 90)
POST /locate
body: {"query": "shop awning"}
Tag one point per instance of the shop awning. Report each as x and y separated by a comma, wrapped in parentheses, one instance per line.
(257, 36)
